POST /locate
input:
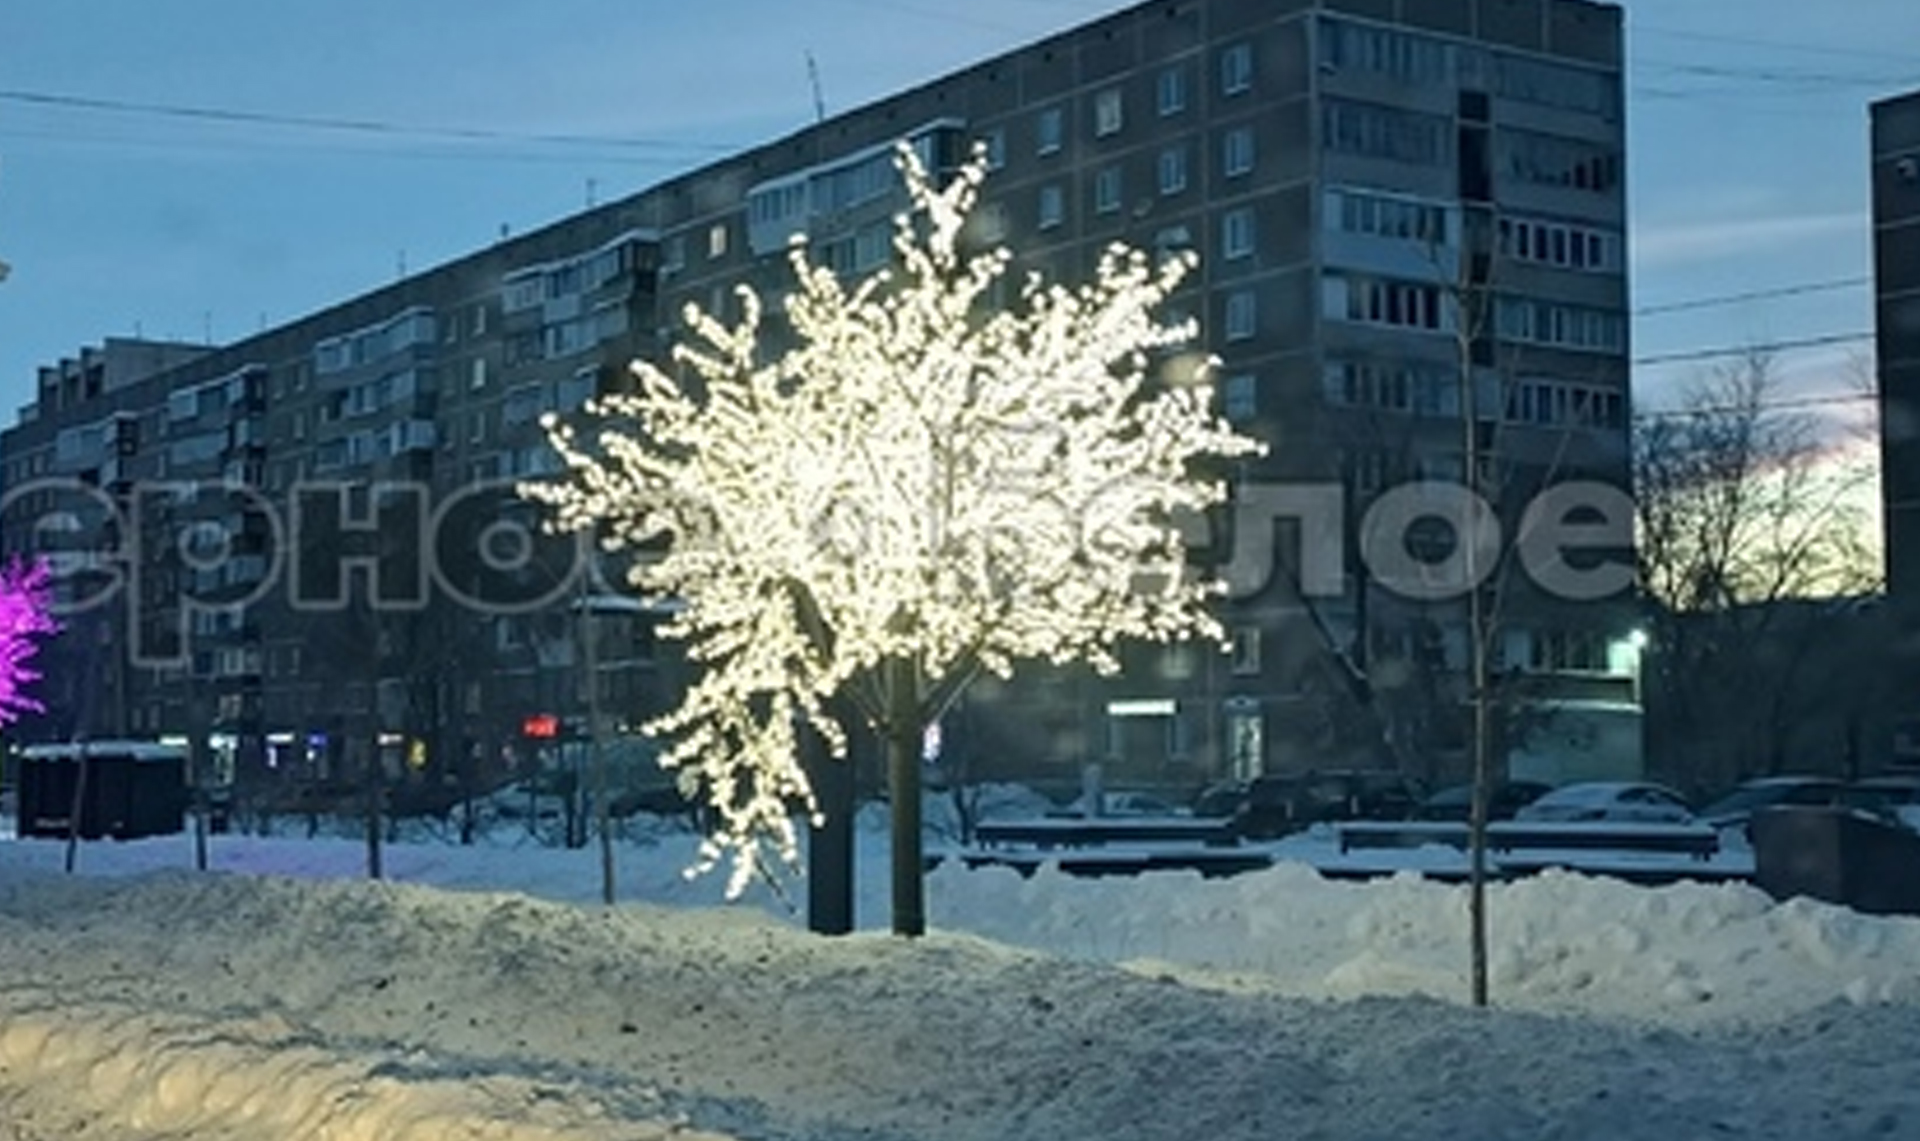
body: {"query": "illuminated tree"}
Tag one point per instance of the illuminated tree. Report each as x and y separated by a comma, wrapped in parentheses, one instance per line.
(24, 617)
(921, 487)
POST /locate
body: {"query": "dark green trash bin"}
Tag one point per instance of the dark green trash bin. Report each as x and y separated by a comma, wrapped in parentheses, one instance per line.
(1839, 855)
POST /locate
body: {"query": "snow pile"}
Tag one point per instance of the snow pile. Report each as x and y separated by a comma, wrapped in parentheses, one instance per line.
(229, 1006)
(150, 1004)
(1683, 954)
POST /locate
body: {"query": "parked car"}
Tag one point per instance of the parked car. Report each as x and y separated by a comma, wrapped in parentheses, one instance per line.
(1218, 801)
(1895, 796)
(1620, 802)
(1279, 804)
(1736, 808)
(1456, 803)
(1122, 803)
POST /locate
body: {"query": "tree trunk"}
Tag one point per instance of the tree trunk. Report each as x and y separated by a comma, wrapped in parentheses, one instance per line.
(375, 793)
(830, 844)
(1477, 819)
(904, 734)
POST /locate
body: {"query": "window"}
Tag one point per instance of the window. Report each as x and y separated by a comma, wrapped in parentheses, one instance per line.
(990, 222)
(717, 240)
(1052, 206)
(1387, 216)
(1560, 245)
(1173, 170)
(1236, 69)
(1246, 650)
(1548, 160)
(1564, 404)
(1419, 389)
(1561, 326)
(1170, 242)
(1572, 650)
(1236, 151)
(523, 405)
(1557, 85)
(477, 374)
(1172, 88)
(1106, 190)
(1108, 113)
(995, 144)
(1373, 131)
(1242, 316)
(673, 254)
(1049, 131)
(523, 292)
(1398, 55)
(1236, 233)
(1365, 470)
(1380, 301)
(1239, 397)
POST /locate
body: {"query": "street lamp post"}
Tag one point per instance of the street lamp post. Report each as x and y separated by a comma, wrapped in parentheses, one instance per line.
(587, 606)
(590, 659)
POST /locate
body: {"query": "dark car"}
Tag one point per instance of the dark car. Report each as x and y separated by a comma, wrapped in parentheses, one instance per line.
(1456, 803)
(1894, 797)
(1736, 808)
(1279, 804)
(1218, 801)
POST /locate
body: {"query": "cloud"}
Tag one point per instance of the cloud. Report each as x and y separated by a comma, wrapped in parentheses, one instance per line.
(1667, 244)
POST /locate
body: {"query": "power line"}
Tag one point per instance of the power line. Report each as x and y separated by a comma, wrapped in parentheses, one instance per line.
(1787, 404)
(120, 140)
(1752, 295)
(1773, 75)
(1748, 350)
(1773, 45)
(331, 123)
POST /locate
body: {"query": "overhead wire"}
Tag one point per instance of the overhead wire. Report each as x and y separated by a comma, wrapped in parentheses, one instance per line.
(238, 117)
(1712, 302)
(1757, 348)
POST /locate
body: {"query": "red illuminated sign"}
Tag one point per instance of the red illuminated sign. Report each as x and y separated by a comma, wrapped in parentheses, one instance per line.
(541, 725)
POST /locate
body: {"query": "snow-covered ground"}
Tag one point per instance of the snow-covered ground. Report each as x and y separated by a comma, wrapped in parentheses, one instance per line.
(144, 1000)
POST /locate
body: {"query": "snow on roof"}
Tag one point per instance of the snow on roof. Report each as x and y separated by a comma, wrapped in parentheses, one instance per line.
(128, 750)
(1589, 792)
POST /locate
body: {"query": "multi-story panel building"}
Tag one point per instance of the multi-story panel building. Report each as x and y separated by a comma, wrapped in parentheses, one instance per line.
(1410, 219)
(1896, 259)
(1895, 167)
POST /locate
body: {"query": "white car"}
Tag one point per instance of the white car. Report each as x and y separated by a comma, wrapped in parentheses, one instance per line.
(1614, 802)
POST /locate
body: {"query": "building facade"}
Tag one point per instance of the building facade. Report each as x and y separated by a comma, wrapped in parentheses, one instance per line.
(1895, 177)
(1896, 264)
(1410, 216)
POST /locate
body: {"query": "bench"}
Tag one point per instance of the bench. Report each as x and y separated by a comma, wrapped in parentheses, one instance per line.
(1211, 863)
(1696, 840)
(1098, 831)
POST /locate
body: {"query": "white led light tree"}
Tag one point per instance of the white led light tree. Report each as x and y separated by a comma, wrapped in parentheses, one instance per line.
(918, 487)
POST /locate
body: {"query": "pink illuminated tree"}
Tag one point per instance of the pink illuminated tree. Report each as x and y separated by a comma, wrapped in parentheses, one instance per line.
(25, 616)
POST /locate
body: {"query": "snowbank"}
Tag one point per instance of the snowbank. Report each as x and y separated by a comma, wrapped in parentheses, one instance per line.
(140, 1004)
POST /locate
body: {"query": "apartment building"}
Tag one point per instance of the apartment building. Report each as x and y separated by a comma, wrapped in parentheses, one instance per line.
(1896, 260)
(1410, 216)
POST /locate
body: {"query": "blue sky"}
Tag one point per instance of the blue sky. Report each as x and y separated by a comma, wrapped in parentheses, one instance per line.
(1747, 165)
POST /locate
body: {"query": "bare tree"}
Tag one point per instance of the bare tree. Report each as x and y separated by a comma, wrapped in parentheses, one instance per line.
(1745, 507)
